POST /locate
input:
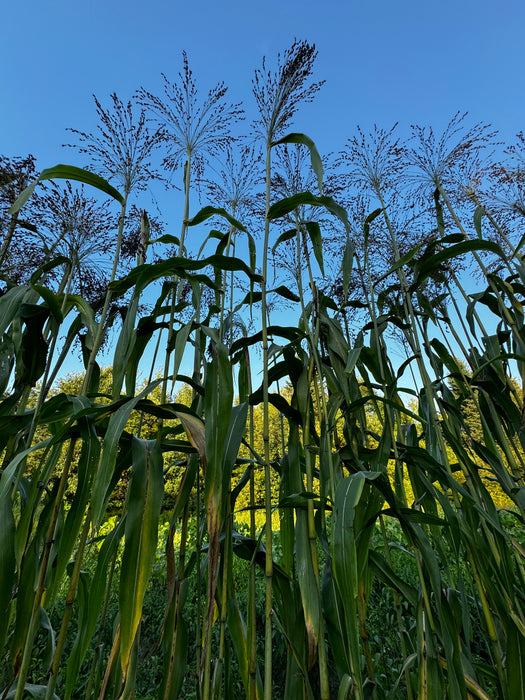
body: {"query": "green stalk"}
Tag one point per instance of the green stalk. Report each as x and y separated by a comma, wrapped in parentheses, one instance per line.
(229, 246)
(491, 624)
(177, 602)
(312, 537)
(70, 599)
(227, 581)
(198, 583)
(8, 237)
(97, 341)
(33, 625)
(252, 611)
(266, 442)
(175, 296)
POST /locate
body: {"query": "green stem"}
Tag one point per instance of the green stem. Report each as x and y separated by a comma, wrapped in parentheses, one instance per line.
(266, 442)
(8, 237)
(70, 599)
(101, 329)
(312, 537)
(33, 625)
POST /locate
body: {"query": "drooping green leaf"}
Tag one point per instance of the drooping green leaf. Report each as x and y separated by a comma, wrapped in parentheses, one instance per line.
(67, 172)
(366, 226)
(403, 260)
(285, 236)
(288, 204)
(347, 265)
(315, 158)
(478, 216)
(10, 304)
(46, 267)
(429, 265)
(168, 239)
(314, 231)
(286, 293)
(194, 428)
(233, 440)
(206, 212)
(141, 276)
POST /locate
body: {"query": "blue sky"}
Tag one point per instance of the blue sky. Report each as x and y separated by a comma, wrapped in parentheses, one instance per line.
(406, 61)
(409, 61)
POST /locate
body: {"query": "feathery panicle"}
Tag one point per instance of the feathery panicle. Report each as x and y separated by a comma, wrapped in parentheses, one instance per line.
(122, 147)
(236, 181)
(510, 192)
(292, 173)
(278, 94)
(371, 161)
(517, 153)
(433, 162)
(133, 244)
(191, 128)
(15, 176)
(81, 229)
(509, 179)
(504, 198)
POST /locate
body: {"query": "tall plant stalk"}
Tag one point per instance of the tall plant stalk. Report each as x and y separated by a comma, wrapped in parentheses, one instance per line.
(278, 96)
(412, 495)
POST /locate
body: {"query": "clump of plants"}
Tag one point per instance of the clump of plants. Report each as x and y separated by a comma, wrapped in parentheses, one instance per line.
(318, 490)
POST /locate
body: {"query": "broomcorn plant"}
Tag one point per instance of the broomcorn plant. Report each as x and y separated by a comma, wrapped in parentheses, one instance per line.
(278, 95)
(398, 568)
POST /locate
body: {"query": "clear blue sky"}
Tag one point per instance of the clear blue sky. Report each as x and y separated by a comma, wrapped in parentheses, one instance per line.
(411, 61)
(406, 61)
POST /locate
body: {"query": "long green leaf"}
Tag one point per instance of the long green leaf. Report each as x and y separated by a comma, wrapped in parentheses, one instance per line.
(206, 212)
(110, 447)
(315, 158)
(93, 603)
(10, 304)
(314, 231)
(7, 563)
(145, 494)
(67, 172)
(430, 264)
(288, 204)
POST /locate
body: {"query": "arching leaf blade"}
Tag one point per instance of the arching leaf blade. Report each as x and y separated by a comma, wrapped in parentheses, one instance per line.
(67, 172)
